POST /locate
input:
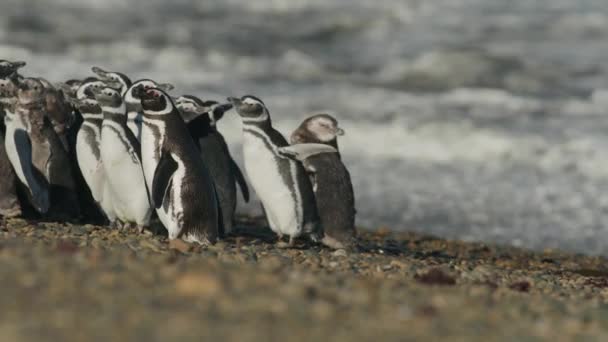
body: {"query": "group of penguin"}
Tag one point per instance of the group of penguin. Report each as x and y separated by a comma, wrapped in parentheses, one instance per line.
(106, 148)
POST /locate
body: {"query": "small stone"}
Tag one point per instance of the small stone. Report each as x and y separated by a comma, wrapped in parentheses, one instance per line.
(340, 253)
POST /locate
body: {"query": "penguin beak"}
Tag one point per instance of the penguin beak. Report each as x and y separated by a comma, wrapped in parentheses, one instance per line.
(113, 84)
(339, 131)
(18, 64)
(166, 87)
(99, 72)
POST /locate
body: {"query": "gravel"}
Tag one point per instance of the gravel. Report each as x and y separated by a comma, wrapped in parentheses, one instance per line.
(88, 283)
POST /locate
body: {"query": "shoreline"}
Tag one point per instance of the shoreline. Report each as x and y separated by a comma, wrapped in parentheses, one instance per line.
(71, 282)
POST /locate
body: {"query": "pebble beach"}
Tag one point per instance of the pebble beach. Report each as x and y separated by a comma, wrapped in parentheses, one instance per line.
(89, 283)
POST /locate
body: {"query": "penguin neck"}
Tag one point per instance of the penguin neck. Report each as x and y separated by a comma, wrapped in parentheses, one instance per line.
(92, 117)
(133, 107)
(117, 114)
(263, 123)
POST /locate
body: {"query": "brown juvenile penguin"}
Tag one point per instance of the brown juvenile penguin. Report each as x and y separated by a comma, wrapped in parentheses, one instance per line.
(38, 156)
(331, 180)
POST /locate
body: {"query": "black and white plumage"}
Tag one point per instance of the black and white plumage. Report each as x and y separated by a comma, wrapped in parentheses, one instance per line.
(9, 68)
(280, 182)
(201, 118)
(39, 158)
(120, 155)
(10, 205)
(133, 102)
(114, 79)
(88, 155)
(179, 182)
(331, 180)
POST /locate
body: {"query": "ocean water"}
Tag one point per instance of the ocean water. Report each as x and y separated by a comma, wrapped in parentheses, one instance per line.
(473, 119)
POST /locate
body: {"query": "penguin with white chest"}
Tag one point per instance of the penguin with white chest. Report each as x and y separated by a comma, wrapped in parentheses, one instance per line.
(120, 155)
(280, 182)
(133, 102)
(9, 201)
(331, 180)
(10, 205)
(88, 155)
(85, 136)
(179, 182)
(201, 118)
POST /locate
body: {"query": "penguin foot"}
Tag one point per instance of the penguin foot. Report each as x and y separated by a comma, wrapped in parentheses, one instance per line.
(284, 245)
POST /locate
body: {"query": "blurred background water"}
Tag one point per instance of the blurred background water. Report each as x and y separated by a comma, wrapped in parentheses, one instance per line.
(471, 119)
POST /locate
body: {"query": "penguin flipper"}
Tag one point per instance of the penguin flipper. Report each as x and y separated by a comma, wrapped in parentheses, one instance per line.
(162, 178)
(303, 151)
(37, 185)
(240, 180)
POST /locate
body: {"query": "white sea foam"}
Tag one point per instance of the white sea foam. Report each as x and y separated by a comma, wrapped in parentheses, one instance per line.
(487, 123)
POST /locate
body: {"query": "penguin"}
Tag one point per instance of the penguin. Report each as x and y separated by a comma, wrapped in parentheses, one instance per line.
(122, 80)
(178, 180)
(331, 180)
(201, 118)
(37, 155)
(88, 155)
(120, 155)
(8, 68)
(75, 92)
(281, 183)
(133, 102)
(10, 205)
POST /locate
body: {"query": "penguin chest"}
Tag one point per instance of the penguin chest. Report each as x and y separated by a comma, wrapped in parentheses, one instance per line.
(134, 122)
(124, 175)
(152, 139)
(276, 191)
(117, 153)
(89, 158)
(171, 212)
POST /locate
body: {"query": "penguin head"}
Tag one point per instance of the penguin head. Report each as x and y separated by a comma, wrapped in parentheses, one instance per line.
(69, 87)
(30, 90)
(113, 79)
(8, 90)
(108, 97)
(138, 88)
(323, 127)
(192, 107)
(250, 108)
(88, 88)
(7, 68)
(8, 87)
(156, 102)
(88, 106)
